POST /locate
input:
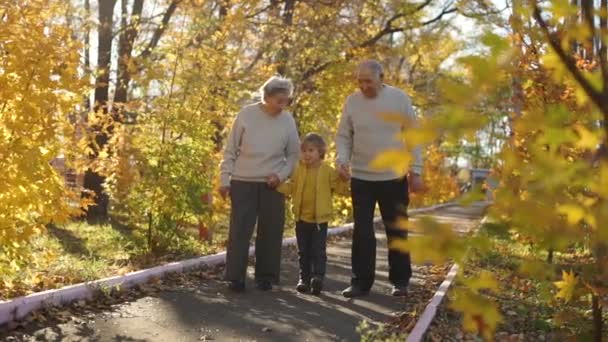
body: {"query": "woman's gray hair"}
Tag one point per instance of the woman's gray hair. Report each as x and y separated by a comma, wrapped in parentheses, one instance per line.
(374, 66)
(276, 85)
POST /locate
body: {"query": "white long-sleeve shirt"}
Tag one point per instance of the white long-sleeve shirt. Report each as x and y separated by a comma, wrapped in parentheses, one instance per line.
(363, 133)
(260, 145)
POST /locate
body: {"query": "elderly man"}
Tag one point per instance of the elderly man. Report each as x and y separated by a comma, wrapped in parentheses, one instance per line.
(362, 135)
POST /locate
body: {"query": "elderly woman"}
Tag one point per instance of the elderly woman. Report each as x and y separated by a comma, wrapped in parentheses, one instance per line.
(260, 153)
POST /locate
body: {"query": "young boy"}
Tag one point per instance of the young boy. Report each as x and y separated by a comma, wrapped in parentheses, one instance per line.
(311, 187)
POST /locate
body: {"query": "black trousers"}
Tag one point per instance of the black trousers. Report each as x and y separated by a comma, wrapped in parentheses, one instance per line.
(254, 204)
(393, 198)
(312, 245)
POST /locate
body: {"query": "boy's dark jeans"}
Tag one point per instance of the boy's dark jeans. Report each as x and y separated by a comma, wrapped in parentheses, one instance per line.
(393, 199)
(312, 244)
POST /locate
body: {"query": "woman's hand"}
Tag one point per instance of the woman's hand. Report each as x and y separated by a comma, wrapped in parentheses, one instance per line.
(224, 191)
(273, 180)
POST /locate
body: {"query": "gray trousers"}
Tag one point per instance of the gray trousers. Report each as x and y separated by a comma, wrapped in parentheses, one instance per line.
(251, 202)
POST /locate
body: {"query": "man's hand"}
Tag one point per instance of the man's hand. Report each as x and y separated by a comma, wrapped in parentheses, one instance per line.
(224, 191)
(416, 184)
(273, 181)
(344, 172)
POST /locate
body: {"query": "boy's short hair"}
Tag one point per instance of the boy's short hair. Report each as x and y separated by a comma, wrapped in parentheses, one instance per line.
(317, 141)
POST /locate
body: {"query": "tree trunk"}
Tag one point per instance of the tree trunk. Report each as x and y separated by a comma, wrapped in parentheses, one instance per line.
(603, 48)
(588, 19)
(93, 181)
(283, 54)
(87, 55)
(571, 22)
(129, 29)
(597, 319)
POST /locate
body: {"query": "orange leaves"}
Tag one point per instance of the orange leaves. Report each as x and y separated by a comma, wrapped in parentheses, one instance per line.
(440, 185)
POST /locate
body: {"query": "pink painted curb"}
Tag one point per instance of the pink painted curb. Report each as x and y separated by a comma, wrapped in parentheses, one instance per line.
(423, 324)
(19, 307)
(428, 315)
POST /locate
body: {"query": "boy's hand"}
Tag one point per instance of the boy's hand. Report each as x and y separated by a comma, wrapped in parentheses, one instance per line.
(344, 172)
(273, 181)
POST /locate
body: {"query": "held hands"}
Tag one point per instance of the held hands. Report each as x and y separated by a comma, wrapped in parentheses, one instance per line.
(344, 172)
(273, 180)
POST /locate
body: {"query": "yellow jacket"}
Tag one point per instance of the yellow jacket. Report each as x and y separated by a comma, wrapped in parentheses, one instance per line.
(328, 183)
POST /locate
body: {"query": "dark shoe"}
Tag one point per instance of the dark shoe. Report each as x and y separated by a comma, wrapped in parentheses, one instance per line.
(236, 286)
(302, 286)
(264, 285)
(399, 291)
(354, 291)
(317, 285)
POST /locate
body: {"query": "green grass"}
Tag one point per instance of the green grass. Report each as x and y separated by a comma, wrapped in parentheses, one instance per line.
(532, 300)
(79, 252)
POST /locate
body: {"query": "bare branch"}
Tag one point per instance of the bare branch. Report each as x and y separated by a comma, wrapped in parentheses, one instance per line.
(603, 53)
(255, 60)
(260, 11)
(440, 15)
(477, 15)
(388, 28)
(568, 60)
(589, 20)
(315, 70)
(160, 29)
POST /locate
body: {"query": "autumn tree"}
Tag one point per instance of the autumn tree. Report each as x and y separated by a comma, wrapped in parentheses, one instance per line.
(110, 109)
(39, 91)
(552, 179)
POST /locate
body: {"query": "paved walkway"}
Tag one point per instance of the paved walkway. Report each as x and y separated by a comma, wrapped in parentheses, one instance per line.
(207, 311)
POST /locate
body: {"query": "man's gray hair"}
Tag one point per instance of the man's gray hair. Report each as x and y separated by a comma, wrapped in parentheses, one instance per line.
(276, 85)
(374, 66)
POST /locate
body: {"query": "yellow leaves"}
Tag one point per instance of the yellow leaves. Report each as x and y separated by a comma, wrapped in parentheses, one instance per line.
(563, 8)
(536, 269)
(396, 160)
(602, 183)
(552, 61)
(39, 92)
(587, 139)
(436, 242)
(566, 286)
(394, 118)
(574, 213)
(485, 280)
(480, 314)
(441, 186)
